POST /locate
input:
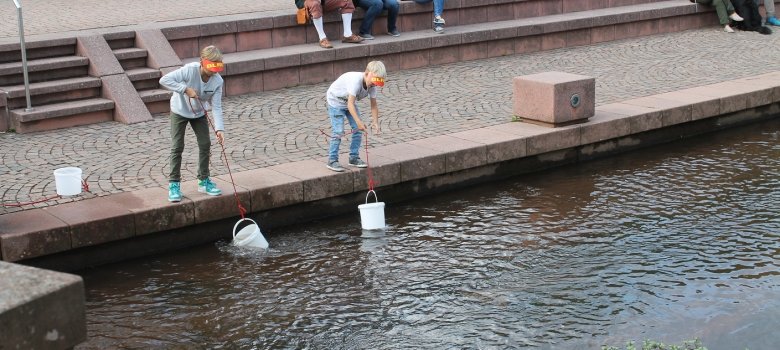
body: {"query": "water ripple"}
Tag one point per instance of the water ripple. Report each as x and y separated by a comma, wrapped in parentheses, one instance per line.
(672, 243)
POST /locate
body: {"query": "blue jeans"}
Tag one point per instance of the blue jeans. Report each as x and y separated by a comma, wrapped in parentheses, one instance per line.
(438, 6)
(337, 115)
(373, 8)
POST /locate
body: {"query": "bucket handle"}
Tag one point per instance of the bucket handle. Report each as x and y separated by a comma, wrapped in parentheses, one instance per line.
(239, 221)
(376, 199)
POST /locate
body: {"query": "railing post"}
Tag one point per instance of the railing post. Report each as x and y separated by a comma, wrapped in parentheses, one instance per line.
(24, 55)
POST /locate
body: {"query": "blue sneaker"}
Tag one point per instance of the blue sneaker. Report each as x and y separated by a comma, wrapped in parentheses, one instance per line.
(174, 192)
(208, 187)
(773, 21)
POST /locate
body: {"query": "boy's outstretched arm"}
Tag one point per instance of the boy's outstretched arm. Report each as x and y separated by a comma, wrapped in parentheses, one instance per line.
(375, 116)
(353, 111)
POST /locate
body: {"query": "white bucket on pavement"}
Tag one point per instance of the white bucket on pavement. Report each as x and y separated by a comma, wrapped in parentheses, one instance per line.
(372, 215)
(249, 236)
(68, 181)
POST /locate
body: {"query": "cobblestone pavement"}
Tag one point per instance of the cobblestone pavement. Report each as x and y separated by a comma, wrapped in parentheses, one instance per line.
(56, 16)
(281, 126)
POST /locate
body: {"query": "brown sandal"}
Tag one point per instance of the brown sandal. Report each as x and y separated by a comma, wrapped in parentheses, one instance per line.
(325, 44)
(352, 39)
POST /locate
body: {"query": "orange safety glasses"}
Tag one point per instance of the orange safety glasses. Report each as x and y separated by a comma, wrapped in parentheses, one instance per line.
(378, 81)
(213, 66)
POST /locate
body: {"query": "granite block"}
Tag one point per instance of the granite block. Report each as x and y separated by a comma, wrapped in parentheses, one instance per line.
(554, 98)
(94, 221)
(416, 162)
(32, 233)
(153, 212)
(269, 189)
(604, 126)
(459, 153)
(211, 208)
(40, 309)
(319, 182)
(500, 146)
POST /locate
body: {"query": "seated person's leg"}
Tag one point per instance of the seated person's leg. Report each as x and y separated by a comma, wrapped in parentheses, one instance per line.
(372, 9)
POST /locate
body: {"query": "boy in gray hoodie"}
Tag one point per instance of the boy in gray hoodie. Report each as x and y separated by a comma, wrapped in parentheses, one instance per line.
(194, 86)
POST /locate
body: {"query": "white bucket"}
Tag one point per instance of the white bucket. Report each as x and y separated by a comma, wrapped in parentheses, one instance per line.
(249, 236)
(372, 215)
(68, 181)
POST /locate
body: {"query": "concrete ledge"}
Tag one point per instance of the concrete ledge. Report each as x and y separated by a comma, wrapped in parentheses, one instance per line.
(40, 309)
(318, 181)
(32, 233)
(401, 171)
(94, 221)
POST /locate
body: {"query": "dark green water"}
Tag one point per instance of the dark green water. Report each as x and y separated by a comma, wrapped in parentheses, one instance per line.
(671, 243)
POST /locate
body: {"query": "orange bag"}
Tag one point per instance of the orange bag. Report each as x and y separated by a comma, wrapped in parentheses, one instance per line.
(303, 16)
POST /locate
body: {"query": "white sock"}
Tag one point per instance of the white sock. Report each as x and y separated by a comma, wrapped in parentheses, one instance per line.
(347, 19)
(320, 30)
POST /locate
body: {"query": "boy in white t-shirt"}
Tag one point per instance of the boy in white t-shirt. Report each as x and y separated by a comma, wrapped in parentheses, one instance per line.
(342, 95)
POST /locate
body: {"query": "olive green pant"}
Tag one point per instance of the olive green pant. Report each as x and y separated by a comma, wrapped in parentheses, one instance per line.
(722, 7)
(201, 128)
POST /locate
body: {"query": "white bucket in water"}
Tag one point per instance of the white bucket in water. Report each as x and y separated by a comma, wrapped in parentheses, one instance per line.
(68, 181)
(372, 215)
(249, 236)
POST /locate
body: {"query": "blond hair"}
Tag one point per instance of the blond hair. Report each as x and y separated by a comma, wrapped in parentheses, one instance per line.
(378, 68)
(211, 53)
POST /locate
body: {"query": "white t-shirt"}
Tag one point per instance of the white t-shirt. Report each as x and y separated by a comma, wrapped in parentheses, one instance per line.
(350, 83)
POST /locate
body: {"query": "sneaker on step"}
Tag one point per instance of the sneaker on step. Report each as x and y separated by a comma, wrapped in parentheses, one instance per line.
(335, 166)
(727, 29)
(208, 187)
(773, 21)
(352, 39)
(396, 33)
(438, 24)
(357, 162)
(366, 36)
(174, 192)
(736, 17)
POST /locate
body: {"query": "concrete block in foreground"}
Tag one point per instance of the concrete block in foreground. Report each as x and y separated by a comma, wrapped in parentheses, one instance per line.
(554, 98)
(40, 309)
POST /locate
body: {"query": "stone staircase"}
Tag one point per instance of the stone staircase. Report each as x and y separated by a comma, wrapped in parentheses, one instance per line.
(145, 80)
(114, 76)
(61, 91)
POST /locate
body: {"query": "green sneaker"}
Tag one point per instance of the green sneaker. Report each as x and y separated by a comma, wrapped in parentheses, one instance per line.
(208, 187)
(174, 192)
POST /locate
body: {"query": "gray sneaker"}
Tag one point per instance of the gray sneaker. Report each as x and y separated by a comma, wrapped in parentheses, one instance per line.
(366, 36)
(335, 166)
(438, 24)
(357, 162)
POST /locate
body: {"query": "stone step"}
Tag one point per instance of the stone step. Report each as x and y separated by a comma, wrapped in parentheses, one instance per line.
(156, 100)
(38, 49)
(53, 91)
(144, 78)
(120, 40)
(242, 33)
(131, 57)
(62, 115)
(269, 69)
(44, 69)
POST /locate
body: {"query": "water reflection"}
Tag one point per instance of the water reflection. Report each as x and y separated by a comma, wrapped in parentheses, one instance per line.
(671, 243)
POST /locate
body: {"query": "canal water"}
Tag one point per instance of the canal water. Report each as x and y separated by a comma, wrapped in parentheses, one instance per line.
(670, 243)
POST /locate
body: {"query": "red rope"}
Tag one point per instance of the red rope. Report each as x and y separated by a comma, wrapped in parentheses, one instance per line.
(241, 209)
(84, 186)
(368, 168)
